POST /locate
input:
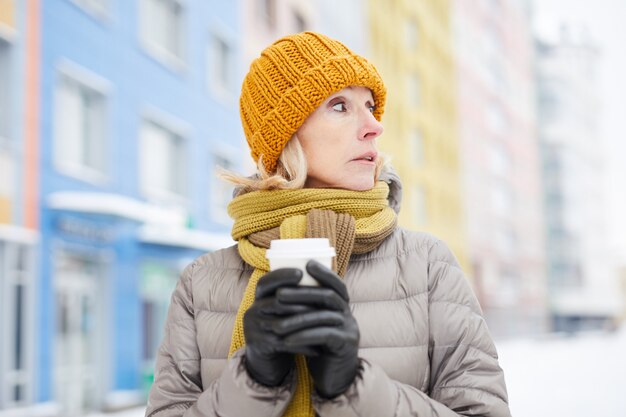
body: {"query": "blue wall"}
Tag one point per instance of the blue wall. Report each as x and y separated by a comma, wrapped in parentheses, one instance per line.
(110, 48)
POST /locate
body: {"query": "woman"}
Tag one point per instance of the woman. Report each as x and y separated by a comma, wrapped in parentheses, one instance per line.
(400, 333)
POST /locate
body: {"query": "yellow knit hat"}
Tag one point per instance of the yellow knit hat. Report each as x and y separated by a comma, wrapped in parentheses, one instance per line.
(290, 79)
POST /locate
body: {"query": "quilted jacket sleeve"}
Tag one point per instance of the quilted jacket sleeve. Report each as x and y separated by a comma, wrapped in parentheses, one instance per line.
(177, 388)
(465, 378)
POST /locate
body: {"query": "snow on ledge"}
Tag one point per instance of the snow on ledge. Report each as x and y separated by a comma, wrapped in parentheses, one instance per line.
(161, 226)
(188, 238)
(115, 205)
(18, 234)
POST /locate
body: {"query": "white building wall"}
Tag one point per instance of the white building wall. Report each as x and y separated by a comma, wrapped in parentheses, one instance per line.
(569, 112)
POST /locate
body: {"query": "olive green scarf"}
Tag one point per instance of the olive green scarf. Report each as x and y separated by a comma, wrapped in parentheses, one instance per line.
(353, 221)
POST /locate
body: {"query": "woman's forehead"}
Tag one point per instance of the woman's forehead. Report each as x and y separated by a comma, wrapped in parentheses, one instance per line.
(355, 90)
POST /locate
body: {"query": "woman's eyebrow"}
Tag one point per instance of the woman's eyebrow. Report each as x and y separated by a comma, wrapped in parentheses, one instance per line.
(368, 102)
(331, 98)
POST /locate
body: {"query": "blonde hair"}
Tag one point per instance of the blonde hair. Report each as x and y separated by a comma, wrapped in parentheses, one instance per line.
(291, 171)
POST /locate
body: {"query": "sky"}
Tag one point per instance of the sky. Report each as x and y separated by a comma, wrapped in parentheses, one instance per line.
(605, 21)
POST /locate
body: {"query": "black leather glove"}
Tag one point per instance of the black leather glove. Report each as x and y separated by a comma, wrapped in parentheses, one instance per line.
(267, 361)
(332, 344)
(268, 322)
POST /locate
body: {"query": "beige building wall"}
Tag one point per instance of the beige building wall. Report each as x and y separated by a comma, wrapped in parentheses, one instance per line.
(7, 29)
(7, 13)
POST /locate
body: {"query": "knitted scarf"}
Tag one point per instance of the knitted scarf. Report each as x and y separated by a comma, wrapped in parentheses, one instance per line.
(353, 221)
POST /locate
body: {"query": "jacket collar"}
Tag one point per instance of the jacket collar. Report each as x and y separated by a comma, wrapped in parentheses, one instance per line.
(390, 176)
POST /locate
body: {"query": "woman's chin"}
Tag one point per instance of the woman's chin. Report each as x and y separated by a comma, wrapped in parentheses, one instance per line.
(350, 182)
(360, 184)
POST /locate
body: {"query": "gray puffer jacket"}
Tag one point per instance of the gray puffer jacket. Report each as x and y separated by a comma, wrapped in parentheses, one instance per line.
(425, 347)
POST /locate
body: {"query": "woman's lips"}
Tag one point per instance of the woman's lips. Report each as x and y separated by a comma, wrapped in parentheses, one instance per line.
(365, 161)
(369, 157)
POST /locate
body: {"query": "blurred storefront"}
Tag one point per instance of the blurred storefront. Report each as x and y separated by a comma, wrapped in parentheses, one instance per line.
(108, 280)
(114, 119)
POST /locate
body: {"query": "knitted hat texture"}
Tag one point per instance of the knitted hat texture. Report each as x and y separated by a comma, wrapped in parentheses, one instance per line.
(290, 79)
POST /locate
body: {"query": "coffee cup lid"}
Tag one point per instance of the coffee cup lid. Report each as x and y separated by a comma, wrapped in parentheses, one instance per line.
(300, 248)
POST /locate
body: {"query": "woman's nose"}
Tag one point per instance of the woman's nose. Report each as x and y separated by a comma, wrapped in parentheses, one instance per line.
(370, 127)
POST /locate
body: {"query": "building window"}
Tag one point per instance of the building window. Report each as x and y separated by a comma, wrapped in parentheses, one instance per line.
(7, 154)
(506, 240)
(300, 23)
(494, 6)
(7, 182)
(418, 204)
(221, 191)
(416, 148)
(500, 162)
(496, 119)
(156, 286)
(502, 199)
(80, 128)
(5, 88)
(551, 104)
(16, 269)
(220, 65)
(268, 12)
(163, 162)
(492, 42)
(413, 89)
(97, 7)
(162, 28)
(411, 34)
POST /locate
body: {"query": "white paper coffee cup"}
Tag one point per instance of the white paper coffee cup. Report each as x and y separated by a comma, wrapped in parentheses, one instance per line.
(295, 253)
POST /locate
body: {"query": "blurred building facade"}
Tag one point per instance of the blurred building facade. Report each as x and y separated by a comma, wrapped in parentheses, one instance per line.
(19, 235)
(501, 167)
(264, 22)
(114, 116)
(583, 285)
(353, 31)
(411, 45)
(131, 107)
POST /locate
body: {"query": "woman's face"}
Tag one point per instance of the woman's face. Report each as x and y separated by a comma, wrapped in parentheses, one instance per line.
(339, 141)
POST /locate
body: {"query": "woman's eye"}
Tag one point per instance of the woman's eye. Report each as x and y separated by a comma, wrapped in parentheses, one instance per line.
(339, 107)
(372, 109)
